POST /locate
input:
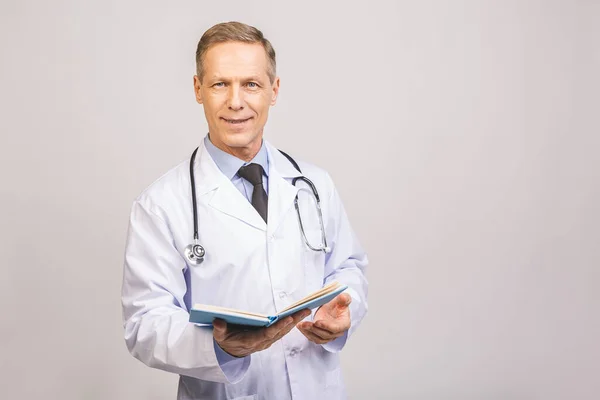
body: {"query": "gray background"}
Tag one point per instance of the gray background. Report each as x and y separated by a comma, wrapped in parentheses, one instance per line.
(463, 137)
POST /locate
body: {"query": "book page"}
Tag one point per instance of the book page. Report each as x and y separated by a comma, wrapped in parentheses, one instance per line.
(230, 310)
(323, 291)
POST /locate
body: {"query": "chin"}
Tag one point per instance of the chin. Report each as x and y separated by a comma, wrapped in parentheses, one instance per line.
(240, 139)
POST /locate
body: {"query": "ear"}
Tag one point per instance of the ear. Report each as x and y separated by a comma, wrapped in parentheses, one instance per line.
(275, 91)
(197, 91)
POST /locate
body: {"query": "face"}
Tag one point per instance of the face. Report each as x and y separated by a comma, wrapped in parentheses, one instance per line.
(236, 93)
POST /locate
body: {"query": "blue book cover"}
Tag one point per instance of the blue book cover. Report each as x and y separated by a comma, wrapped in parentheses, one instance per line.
(205, 314)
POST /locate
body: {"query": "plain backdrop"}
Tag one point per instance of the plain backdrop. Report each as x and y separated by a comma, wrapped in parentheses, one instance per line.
(463, 136)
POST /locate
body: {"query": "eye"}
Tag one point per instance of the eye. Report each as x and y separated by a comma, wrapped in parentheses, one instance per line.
(252, 85)
(219, 84)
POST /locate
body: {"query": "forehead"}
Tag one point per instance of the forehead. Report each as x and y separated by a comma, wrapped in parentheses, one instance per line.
(235, 59)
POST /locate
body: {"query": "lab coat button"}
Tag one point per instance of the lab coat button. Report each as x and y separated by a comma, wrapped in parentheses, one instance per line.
(282, 295)
(293, 352)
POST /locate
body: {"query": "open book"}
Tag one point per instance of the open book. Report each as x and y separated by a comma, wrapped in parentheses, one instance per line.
(205, 314)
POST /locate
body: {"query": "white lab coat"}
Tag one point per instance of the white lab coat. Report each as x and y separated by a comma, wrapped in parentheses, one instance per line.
(249, 265)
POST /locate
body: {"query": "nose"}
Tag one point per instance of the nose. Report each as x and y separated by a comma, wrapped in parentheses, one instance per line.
(235, 100)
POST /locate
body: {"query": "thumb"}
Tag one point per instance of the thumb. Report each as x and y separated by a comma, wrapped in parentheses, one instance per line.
(344, 300)
(219, 327)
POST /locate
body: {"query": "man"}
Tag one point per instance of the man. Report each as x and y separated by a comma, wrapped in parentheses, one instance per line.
(255, 257)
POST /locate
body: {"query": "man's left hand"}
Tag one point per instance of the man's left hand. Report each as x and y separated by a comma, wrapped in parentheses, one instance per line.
(331, 321)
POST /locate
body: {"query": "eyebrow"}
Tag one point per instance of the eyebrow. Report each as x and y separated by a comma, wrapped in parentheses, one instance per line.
(244, 79)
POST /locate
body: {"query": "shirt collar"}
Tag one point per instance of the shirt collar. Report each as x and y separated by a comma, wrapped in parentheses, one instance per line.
(229, 164)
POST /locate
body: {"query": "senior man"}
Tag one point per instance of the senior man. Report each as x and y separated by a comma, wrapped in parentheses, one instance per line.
(256, 254)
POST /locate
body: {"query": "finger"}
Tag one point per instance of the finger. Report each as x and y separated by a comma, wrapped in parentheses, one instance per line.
(312, 337)
(235, 328)
(281, 324)
(300, 315)
(332, 325)
(278, 327)
(286, 326)
(247, 341)
(344, 300)
(283, 332)
(322, 333)
(219, 328)
(310, 327)
(296, 317)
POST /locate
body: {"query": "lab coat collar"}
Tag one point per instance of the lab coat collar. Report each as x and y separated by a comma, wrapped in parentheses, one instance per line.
(225, 197)
(281, 191)
(207, 175)
(280, 163)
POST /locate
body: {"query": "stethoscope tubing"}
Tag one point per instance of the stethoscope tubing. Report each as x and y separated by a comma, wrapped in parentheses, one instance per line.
(195, 252)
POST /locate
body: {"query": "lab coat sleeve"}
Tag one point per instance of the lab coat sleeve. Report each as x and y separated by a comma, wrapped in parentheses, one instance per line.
(157, 330)
(346, 263)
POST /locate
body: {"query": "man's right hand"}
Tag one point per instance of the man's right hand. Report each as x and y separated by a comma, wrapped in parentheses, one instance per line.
(240, 342)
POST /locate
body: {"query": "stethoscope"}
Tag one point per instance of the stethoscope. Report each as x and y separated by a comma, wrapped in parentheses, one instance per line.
(195, 252)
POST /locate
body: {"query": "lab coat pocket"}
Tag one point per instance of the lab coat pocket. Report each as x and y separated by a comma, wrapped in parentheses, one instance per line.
(250, 397)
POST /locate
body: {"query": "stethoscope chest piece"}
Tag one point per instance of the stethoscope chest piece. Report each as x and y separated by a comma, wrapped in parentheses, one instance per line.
(194, 253)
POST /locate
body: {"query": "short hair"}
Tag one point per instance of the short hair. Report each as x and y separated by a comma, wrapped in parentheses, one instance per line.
(233, 32)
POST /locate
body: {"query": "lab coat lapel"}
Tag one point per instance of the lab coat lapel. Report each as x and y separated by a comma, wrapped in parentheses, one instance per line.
(230, 201)
(227, 198)
(281, 191)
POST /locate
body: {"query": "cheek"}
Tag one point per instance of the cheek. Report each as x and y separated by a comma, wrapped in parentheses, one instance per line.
(209, 112)
(260, 105)
(214, 103)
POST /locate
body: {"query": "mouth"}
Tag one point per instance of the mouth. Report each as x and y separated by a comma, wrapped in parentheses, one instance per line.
(236, 121)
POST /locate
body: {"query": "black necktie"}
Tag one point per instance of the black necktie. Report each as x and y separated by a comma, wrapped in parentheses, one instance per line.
(253, 173)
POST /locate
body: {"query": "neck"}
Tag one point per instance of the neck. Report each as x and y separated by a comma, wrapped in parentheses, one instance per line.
(245, 153)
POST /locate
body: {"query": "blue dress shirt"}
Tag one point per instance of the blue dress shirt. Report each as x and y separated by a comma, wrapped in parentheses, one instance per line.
(230, 165)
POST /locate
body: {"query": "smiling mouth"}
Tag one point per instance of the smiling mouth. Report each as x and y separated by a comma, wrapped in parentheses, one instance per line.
(236, 121)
